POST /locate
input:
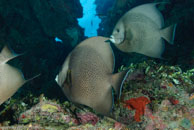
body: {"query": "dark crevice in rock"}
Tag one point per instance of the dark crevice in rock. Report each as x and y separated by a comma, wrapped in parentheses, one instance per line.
(30, 27)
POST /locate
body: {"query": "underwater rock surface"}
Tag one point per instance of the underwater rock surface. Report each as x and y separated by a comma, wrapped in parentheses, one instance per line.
(170, 92)
(28, 22)
(30, 27)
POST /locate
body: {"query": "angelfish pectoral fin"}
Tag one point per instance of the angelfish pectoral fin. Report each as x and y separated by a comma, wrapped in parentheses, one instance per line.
(68, 77)
(117, 81)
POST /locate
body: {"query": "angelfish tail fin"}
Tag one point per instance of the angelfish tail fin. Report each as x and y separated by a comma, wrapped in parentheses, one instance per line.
(117, 81)
(168, 33)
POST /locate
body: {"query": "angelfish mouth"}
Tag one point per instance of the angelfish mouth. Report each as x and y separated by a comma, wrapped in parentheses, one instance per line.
(112, 39)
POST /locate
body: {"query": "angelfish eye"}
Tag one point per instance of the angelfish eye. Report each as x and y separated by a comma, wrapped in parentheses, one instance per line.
(117, 30)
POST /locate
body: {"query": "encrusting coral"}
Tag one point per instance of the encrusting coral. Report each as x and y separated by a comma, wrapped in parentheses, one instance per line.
(139, 105)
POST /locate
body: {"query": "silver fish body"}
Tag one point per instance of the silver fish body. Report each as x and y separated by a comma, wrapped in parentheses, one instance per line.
(91, 65)
(141, 30)
(11, 78)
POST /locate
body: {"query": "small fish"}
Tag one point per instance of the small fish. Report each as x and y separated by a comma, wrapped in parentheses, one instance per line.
(101, 16)
(87, 75)
(141, 30)
(11, 79)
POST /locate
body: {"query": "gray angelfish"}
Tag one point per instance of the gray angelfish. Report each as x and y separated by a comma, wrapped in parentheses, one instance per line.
(87, 75)
(11, 78)
(141, 30)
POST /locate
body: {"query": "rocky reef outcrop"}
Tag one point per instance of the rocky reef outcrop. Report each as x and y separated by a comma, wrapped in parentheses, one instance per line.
(30, 27)
(31, 22)
(103, 6)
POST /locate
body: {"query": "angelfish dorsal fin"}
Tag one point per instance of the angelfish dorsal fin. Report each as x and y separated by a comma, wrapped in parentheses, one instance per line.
(150, 11)
(6, 53)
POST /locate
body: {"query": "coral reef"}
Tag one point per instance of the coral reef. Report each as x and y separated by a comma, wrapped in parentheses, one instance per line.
(155, 95)
(170, 91)
(103, 6)
(88, 117)
(170, 106)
